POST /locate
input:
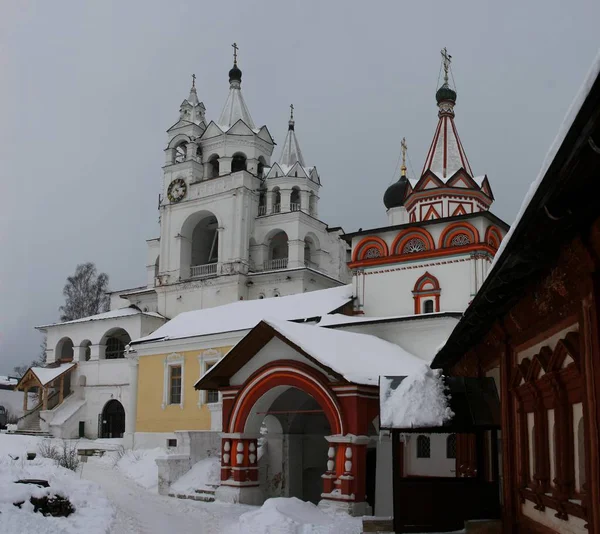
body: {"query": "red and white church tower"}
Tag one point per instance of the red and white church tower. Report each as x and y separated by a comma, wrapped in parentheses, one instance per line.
(441, 238)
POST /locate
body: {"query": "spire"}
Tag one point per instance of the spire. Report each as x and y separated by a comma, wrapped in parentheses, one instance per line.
(191, 109)
(446, 154)
(235, 108)
(291, 153)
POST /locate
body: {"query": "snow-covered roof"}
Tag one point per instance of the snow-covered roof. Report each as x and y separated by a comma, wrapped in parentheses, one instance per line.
(8, 381)
(235, 109)
(578, 101)
(338, 319)
(112, 314)
(359, 358)
(246, 314)
(47, 374)
(419, 400)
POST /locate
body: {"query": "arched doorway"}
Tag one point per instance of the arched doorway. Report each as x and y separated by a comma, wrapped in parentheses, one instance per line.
(293, 448)
(111, 422)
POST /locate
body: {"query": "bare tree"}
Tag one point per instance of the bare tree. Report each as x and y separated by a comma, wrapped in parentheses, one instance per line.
(85, 293)
(40, 361)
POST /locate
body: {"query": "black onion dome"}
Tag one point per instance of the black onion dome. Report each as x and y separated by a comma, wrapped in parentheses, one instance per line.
(395, 193)
(445, 93)
(235, 74)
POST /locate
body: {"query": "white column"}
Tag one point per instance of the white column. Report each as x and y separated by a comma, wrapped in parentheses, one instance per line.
(97, 352)
(224, 166)
(295, 253)
(285, 200)
(131, 416)
(304, 199)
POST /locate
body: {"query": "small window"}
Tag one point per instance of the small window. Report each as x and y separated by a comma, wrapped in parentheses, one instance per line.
(212, 396)
(451, 446)
(171, 443)
(175, 385)
(423, 447)
(428, 306)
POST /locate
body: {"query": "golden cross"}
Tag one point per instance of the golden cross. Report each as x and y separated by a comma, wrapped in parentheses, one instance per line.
(193, 81)
(446, 58)
(404, 148)
(235, 49)
(291, 112)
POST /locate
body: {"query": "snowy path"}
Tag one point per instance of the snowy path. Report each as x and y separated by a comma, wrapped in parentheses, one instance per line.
(139, 511)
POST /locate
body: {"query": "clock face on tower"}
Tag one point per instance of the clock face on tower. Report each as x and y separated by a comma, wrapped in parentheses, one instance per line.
(177, 190)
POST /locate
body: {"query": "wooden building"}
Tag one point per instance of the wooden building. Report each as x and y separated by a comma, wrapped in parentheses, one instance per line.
(535, 327)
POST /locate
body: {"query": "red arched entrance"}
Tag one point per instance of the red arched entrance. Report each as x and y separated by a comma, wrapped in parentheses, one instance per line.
(284, 373)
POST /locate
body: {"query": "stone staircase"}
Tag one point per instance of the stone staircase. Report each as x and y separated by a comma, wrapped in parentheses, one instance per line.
(204, 495)
(29, 425)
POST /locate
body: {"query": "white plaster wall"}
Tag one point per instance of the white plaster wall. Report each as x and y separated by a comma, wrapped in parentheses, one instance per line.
(421, 337)
(436, 465)
(386, 292)
(151, 440)
(273, 350)
(96, 398)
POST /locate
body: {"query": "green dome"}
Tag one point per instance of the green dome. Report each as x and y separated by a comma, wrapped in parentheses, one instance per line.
(445, 93)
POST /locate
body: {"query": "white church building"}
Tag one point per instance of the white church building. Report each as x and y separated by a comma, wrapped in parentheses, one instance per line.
(238, 225)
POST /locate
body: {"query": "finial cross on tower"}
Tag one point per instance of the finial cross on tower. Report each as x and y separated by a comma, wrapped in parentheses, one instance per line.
(235, 50)
(193, 81)
(291, 112)
(447, 59)
(404, 148)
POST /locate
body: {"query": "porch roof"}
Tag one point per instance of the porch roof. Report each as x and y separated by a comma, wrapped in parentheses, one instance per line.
(112, 314)
(355, 358)
(44, 375)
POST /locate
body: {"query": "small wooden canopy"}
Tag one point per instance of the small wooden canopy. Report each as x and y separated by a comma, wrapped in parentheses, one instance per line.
(474, 401)
(42, 376)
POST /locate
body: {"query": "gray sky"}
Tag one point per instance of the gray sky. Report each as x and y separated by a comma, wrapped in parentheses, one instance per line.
(89, 88)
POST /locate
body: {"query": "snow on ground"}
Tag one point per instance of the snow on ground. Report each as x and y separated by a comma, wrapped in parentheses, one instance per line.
(93, 512)
(419, 401)
(293, 516)
(140, 466)
(204, 475)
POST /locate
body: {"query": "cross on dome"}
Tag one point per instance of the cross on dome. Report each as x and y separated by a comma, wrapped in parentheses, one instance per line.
(404, 148)
(235, 49)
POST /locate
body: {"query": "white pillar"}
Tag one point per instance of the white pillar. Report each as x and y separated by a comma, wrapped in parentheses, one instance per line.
(131, 416)
(285, 200)
(295, 253)
(97, 352)
(224, 166)
(304, 199)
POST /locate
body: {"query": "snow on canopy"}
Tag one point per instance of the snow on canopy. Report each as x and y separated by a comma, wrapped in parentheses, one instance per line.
(113, 314)
(246, 314)
(572, 113)
(8, 381)
(47, 374)
(359, 358)
(419, 401)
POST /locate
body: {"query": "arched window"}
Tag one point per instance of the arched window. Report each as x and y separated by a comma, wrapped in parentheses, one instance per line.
(427, 294)
(295, 199)
(213, 166)
(181, 153)
(199, 153)
(451, 446)
(115, 342)
(581, 454)
(372, 252)
(262, 202)
(238, 162)
(460, 240)
(64, 350)
(414, 245)
(428, 306)
(423, 447)
(276, 200)
(87, 350)
(205, 247)
(278, 251)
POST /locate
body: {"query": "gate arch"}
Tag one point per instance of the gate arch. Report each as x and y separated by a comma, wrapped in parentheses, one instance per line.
(112, 420)
(285, 373)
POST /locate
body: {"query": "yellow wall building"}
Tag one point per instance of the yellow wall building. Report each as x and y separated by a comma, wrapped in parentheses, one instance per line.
(166, 398)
